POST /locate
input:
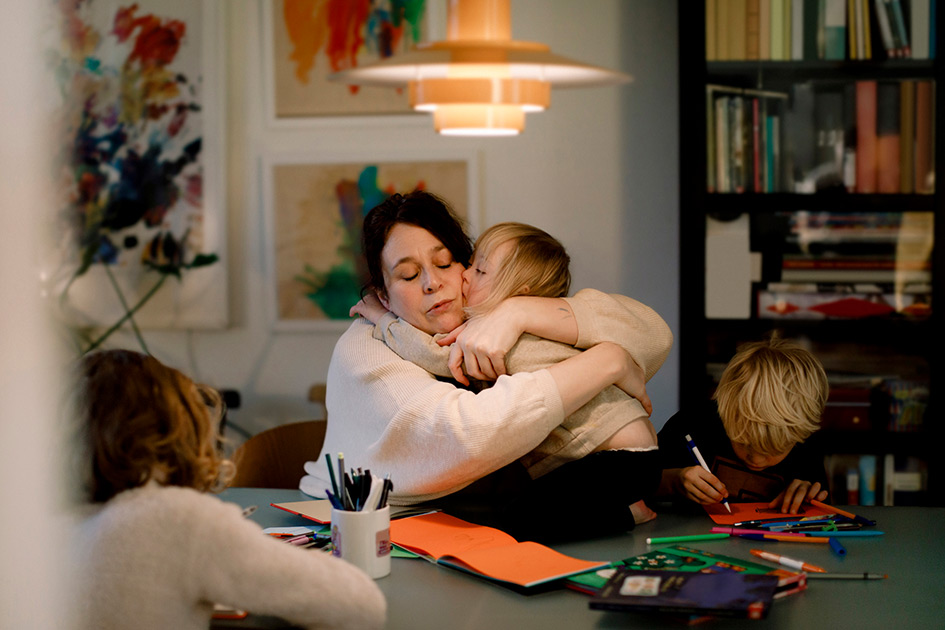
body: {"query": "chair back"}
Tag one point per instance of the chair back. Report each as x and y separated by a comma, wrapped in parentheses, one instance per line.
(274, 458)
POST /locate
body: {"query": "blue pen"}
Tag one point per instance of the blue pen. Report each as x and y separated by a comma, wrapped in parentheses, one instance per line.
(837, 548)
(695, 453)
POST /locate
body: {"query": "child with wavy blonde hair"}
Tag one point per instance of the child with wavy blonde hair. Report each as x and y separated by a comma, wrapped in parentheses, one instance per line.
(154, 550)
(513, 259)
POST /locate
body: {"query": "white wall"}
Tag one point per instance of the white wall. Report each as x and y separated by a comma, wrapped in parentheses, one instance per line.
(598, 171)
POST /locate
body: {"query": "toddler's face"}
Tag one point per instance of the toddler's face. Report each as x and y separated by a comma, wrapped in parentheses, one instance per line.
(755, 460)
(478, 278)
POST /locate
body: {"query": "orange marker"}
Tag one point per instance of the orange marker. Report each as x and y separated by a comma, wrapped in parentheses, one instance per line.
(798, 565)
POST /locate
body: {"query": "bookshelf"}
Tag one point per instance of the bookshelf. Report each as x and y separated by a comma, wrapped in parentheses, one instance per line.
(783, 226)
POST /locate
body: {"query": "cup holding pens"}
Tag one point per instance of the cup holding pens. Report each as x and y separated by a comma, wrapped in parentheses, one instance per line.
(363, 539)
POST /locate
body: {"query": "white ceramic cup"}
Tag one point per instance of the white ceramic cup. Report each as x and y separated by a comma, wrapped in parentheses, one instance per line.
(363, 539)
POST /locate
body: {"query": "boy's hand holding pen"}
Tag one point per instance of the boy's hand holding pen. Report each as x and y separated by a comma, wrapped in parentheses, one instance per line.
(699, 482)
(360, 491)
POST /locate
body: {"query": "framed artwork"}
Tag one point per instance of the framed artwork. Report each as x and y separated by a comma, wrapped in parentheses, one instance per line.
(314, 210)
(139, 179)
(304, 41)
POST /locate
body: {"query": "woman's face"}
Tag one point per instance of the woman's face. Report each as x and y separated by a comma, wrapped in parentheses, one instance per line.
(478, 279)
(423, 282)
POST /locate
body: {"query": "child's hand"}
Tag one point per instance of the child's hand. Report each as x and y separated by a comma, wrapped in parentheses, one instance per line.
(370, 308)
(795, 494)
(634, 384)
(701, 486)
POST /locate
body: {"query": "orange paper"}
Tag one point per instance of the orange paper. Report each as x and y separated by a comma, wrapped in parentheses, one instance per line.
(758, 511)
(484, 551)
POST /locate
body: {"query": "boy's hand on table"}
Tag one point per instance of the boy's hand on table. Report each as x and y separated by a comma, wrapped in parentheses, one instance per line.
(797, 493)
(701, 486)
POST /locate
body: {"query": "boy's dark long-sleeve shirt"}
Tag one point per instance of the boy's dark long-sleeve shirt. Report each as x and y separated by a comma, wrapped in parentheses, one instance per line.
(805, 461)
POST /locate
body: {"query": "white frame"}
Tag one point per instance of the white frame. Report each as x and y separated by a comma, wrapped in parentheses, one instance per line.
(270, 160)
(436, 29)
(180, 304)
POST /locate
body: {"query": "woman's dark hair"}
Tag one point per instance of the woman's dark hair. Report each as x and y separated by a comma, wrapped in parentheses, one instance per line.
(418, 208)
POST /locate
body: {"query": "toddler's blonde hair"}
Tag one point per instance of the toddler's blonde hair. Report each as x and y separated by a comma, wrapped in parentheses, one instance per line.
(772, 395)
(537, 264)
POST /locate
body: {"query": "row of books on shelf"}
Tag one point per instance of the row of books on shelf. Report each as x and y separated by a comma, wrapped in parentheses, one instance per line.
(810, 301)
(805, 30)
(870, 479)
(864, 137)
(885, 403)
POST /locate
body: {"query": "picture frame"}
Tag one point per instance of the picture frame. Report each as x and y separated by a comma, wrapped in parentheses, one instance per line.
(313, 207)
(298, 93)
(158, 191)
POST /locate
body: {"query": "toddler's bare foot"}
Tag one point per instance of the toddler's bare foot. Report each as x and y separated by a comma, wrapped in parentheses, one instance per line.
(641, 512)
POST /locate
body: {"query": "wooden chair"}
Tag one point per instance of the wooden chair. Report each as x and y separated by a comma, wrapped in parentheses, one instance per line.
(274, 458)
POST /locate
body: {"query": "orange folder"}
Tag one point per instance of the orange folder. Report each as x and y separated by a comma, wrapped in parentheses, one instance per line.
(485, 551)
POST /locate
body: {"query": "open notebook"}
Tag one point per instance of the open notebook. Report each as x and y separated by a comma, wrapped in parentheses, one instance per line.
(485, 551)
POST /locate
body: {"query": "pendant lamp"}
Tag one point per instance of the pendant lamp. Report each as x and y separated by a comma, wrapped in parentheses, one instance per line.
(479, 81)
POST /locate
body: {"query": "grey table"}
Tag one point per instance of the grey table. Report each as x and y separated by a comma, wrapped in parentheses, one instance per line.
(423, 595)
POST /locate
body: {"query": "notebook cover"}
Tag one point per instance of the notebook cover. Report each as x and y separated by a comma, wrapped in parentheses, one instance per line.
(743, 595)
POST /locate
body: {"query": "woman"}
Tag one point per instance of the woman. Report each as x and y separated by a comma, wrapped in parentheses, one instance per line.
(457, 448)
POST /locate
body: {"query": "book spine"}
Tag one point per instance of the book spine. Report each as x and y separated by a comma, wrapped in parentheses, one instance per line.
(812, 30)
(887, 138)
(723, 29)
(764, 30)
(710, 140)
(753, 30)
(851, 29)
(835, 30)
(885, 32)
(900, 28)
(722, 182)
(798, 27)
(866, 136)
(867, 30)
(920, 31)
(711, 12)
(924, 140)
(907, 137)
(738, 14)
(777, 30)
(788, 29)
(756, 146)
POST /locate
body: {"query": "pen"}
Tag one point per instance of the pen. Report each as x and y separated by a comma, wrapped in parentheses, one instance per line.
(672, 539)
(799, 565)
(742, 532)
(331, 473)
(343, 491)
(786, 538)
(695, 451)
(848, 576)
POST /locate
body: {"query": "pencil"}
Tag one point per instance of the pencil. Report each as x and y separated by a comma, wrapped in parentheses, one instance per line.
(331, 473)
(848, 576)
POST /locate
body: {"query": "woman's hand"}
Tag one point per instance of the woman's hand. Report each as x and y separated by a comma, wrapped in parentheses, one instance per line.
(370, 308)
(633, 382)
(482, 342)
(699, 485)
(798, 492)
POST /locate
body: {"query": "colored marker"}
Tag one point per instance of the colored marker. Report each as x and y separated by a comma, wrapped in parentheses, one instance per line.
(694, 537)
(791, 563)
(786, 538)
(695, 451)
(848, 576)
(744, 532)
(836, 547)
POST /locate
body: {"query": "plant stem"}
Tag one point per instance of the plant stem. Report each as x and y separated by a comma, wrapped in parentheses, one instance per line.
(128, 315)
(124, 305)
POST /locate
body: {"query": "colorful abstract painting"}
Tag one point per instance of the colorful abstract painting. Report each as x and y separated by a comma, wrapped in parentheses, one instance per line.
(314, 227)
(135, 181)
(310, 39)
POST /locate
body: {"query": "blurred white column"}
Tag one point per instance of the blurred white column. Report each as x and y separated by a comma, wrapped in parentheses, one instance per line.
(33, 541)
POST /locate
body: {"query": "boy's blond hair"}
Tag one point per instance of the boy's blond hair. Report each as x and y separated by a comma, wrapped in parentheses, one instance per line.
(771, 395)
(537, 265)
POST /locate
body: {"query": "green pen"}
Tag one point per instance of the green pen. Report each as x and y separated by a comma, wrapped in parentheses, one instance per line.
(694, 537)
